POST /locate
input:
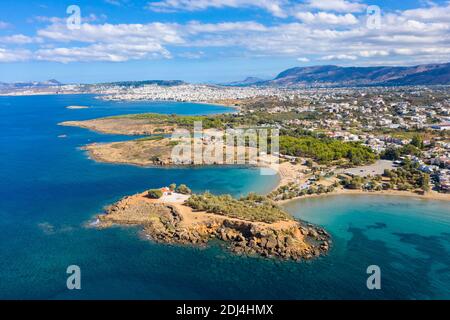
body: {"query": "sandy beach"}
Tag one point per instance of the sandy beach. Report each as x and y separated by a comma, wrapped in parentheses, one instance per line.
(289, 172)
(140, 152)
(433, 195)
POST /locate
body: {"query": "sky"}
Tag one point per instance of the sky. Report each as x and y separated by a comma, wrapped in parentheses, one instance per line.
(213, 41)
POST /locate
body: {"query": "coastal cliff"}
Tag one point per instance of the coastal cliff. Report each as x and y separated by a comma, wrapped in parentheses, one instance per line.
(175, 222)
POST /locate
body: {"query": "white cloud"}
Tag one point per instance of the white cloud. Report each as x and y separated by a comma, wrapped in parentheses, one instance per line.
(275, 7)
(325, 18)
(111, 33)
(117, 2)
(18, 39)
(433, 13)
(405, 37)
(337, 5)
(244, 26)
(303, 59)
(122, 42)
(118, 52)
(108, 42)
(7, 55)
(339, 57)
(373, 53)
(4, 25)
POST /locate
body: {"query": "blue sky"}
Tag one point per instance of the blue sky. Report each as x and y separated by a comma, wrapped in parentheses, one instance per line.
(213, 40)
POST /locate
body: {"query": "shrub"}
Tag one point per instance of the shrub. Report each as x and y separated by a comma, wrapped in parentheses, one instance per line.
(183, 189)
(154, 194)
(155, 158)
(354, 184)
(403, 187)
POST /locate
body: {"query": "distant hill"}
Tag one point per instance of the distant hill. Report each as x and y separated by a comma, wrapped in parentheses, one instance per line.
(55, 86)
(247, 82)
(52, 82)
(167, 83)
(329, 75)
(31, 84)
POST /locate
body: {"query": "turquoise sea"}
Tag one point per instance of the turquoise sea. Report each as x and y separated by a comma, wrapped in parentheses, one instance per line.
(49, 190)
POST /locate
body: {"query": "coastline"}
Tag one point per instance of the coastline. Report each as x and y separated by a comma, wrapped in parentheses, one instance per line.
(432, 196)
(212, 103)
(178, 224)
(169, 166)
(287, 173)
(42, 94)
(169, 220)
(99, 96)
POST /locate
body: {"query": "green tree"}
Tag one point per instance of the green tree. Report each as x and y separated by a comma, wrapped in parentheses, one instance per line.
(425, 182)
(355, 183)
(417, 141)
(391, 154)
(410, 149)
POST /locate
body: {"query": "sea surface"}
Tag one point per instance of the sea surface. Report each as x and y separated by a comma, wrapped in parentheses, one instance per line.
(50, 190)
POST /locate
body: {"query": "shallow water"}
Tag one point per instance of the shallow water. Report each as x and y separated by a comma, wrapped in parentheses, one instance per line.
(49, 190)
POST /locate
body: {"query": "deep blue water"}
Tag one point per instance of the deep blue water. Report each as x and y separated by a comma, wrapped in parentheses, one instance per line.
(49, 190)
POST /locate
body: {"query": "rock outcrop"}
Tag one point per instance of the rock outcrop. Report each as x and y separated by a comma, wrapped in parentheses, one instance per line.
(178, 224)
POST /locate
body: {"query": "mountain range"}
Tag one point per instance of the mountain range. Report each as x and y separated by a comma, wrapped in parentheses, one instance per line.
(163, 83)
(31, 84)
(330, 75)
(246, 82)
(326, 76)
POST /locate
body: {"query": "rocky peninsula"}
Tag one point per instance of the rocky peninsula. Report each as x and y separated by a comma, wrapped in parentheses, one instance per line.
(122, 126)
(252, 226)
(157, 146)
(154, 151)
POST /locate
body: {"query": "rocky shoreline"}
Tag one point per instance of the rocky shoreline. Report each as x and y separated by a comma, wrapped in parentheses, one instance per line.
(178, 224)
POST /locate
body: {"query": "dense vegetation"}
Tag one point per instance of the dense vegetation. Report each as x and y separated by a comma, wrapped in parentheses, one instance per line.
(221, 121)
(181, 121)
(251, 208)
(408, 177)
(326, 150)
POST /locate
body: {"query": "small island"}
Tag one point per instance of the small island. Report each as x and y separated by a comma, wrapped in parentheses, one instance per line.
(253, 225)
(77, 107)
